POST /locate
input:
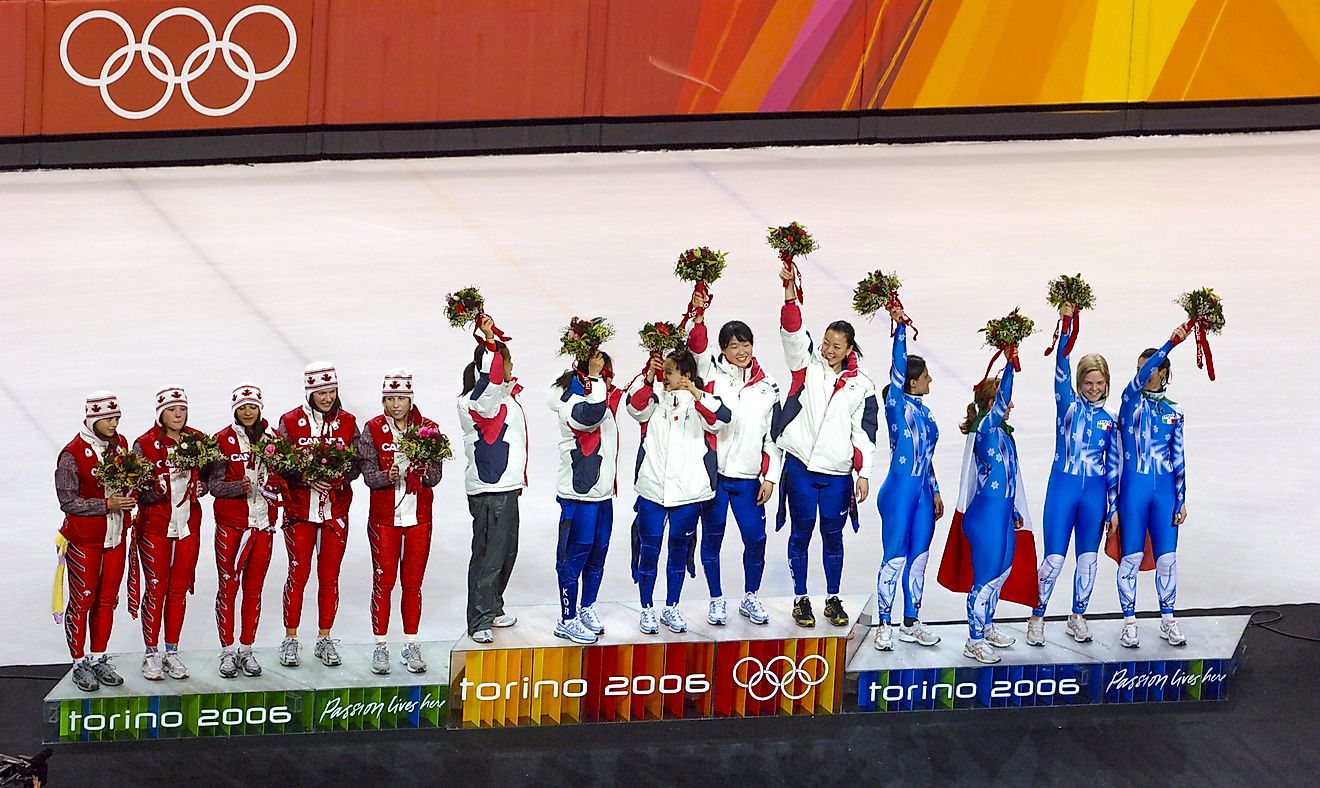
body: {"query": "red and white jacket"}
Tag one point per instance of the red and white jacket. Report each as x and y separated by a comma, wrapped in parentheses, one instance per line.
(408, 501)
(745, 449)
(676, 458)
(234, 508)
(588, 439)
(305, 426)
(82, 496)
(494, 431)
(173, 509)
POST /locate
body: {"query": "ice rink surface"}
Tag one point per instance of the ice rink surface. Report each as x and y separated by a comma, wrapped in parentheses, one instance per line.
(207, 276)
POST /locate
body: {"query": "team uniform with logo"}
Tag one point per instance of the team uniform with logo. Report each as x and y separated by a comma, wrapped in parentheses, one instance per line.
(586, 412)
(1083, 490)
(168, 535)
(746, 455)
(676, 473)
(827, 430)
(95, 551)
(495, 443)
(1152, 488)
(907, 497)
(244, 522)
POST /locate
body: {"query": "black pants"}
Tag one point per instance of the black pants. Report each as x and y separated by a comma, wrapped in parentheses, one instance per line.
(494, 549)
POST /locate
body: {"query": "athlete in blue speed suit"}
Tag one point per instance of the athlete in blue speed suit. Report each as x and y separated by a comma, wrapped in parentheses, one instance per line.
(1152, 491)
(909, 499)
(1083, 491)
(991, 518)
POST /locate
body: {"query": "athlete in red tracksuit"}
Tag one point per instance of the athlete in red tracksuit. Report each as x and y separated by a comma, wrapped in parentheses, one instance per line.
(167, 538)
(94, 525)
(246, 498)
(316, 515)
(399, 522)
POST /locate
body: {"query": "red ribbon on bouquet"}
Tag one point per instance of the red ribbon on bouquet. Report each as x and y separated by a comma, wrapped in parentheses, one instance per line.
(1204, 359)
(494, 329)
(692, 311)
(412, 480)
(1072, 336)
(894, 303)
(787, 259)
(1009, 352)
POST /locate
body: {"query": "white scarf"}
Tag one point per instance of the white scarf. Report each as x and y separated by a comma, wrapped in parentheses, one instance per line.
(114, 521)
(405, 505)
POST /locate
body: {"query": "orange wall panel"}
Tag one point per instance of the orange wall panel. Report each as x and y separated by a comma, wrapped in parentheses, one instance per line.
(439, 60)
(190, 84)
(13, 66)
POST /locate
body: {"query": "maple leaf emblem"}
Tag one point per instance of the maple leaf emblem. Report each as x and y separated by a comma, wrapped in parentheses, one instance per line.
(325, 376)
(310, 380)
(247, 392)
(96, 409)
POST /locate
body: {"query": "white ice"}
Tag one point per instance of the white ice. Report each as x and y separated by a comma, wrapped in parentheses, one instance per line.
(129, 279)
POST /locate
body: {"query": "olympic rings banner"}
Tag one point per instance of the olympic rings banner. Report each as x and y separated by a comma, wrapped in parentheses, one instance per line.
(78, 67)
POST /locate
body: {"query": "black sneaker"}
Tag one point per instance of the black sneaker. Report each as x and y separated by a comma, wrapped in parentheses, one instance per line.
(84, 678)
(105, 672)
(835, 613)
(802, 615)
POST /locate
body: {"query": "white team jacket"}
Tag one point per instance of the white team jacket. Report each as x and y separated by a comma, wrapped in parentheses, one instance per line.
(828, 420)
(494, 433)
(745, 449)
(676, 460)
(588, 440)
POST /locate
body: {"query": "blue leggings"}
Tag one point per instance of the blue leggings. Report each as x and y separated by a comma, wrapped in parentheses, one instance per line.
(907, 517)
(750, 516)
(1072, 503)
(807, 492)
(584, 540)
(651, 530)
(1146, 505)
(988, 524)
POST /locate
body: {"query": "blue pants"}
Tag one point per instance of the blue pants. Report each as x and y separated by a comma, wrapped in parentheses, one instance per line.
(1146, 505)
(807, 492)
(651, 530)
(1072, 503)
(750, 516)
(907, 518)
(584, 540)
(988, 524)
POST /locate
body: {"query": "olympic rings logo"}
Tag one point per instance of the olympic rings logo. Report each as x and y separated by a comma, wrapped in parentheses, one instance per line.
(238, 59)
(760, 676)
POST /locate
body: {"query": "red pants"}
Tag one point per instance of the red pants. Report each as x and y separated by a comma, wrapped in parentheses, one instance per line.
(168, 566)
(94, 573)
(242, 556)
(327, 540)
(392, 546)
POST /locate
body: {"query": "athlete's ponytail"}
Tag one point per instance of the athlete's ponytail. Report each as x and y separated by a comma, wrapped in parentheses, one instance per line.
(916, 367)
(1165, 366)
(982, 399)
(471, 371)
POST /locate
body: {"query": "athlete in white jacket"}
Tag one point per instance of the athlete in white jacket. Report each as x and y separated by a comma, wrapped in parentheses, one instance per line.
(676, 473)
(827, 429)
(585, 404)
(747, 457)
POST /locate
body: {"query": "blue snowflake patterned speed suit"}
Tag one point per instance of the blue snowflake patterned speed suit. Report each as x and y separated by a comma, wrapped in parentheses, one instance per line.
(1153, 486)
(1083, 491)
(906, 499)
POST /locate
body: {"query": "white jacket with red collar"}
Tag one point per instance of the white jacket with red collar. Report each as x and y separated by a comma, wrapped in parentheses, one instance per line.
(588, 439)
(829, 419)
(494, 431)
(744, 449)
(676, 462)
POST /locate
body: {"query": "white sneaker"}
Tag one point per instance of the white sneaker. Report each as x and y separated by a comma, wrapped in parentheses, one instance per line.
(1078, 629)
(980, 651)
(673, 619)
(1170, 632)
(647, 623)
(1129, 637)
(918, 633)
(174, 667)
(998, 637)
(591, 621)
(1035, 631)
(752, 610)
(412, 658)
(483, 636)
(153, 668)
(380, 659)
(884, 637)
(327, 650)
(247, 660)
(228, 664)
(289, 653)
(503, 621)
(718, 613)
(576, 631)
